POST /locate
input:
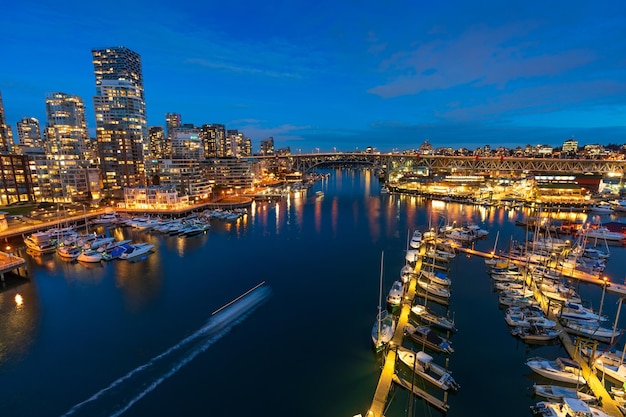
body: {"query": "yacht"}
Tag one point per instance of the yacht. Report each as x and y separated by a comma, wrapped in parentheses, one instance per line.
(136, 250)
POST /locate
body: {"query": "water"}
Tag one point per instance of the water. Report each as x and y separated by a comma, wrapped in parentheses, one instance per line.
(139, 338)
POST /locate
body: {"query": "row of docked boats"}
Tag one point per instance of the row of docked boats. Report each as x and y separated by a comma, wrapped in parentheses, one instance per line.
(425, 328)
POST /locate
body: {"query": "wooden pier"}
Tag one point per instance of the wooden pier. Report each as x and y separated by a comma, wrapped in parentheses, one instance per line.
(10, 262)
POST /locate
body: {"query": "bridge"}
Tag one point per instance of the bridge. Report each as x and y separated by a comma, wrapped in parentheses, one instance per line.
(442, 163)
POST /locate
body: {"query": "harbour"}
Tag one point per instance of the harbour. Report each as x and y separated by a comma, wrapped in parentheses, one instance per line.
(148, 306)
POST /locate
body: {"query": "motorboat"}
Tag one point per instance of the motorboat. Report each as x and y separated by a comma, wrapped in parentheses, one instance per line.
(571, 310)
(534, 333)
(432, 319)
(562, 369)
(434, 289)
(90, 255)
(416, 240)
(590, 329)
(422, 364)
(527, 316)
(569, 407)
(98, 242)
(436, 277)
(69, 252)
(558, 393)
(41, 242)
(136, 250)
(426, 336)
(394, 298)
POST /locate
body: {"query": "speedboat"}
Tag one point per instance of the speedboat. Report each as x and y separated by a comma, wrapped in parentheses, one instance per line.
(428, 317)
(90, 255)
(416, 240)
(135, 250)
(69, 252)
(562, 369)
(423, 365)
(424, 335)
(570, 407)
(394, 298)
(558, 393)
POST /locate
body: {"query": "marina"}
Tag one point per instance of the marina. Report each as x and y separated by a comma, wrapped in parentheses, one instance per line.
(158, 302)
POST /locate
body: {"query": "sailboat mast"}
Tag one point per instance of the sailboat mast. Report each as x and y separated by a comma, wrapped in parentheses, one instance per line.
(380, 296)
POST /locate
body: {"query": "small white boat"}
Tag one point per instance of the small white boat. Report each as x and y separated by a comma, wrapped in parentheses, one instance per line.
(136, 250)
(434, 289)
(535, 333)
(69, 252)
(570, 407)
(423, 365)
(558, 393)
(590, 329)
(90, 255)
(436, 277)
(562, 369)
(571, 310)
(428, 317)
(416, 240)
(383, 330)
(394, 298)
(424, 335)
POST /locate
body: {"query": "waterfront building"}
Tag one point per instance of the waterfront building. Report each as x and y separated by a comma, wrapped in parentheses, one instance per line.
(153, 197)
(6, 134)
(186, 176)
(29, 133)
(121, 126)
(16, 183)
(231, 175)
(187, 145)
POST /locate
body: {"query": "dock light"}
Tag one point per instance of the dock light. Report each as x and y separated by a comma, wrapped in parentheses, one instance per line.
(19, 300)
(8, 248)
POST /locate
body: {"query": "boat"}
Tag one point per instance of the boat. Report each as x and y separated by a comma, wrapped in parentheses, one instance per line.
(434, 289)
(425, 315)
(98, 242)
(41, 242)
(590, 329)
(69, 252)
(571, 310)
(394, 298)
(109, 246)
(569, 407)
(90, 255)
(135, 250)
(535, 333)
(558, 393)
(416, 240)
(603, 234)
(385, 324)
(115, 252)
(106, 218)
(562, 369)
(601, 208)
(427, 337)
(436, 277)
(615, 370)
(423, 365)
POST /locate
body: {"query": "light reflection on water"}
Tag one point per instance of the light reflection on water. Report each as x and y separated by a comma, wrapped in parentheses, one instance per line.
(321, 257)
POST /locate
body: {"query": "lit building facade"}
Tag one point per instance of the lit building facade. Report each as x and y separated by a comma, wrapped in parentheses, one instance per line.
(66, 129)
(121, 126)
(267, 146)
(213, 138)
(29, 132)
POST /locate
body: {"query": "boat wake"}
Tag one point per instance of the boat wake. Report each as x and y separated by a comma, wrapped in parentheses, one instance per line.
(120, 395)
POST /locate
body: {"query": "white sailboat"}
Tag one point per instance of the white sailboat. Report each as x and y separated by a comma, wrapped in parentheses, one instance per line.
(385, 324)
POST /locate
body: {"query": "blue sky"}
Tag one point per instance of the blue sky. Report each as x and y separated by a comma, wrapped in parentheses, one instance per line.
(340, 74)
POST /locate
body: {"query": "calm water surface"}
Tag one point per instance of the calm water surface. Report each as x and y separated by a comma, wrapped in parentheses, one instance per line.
(139, 338)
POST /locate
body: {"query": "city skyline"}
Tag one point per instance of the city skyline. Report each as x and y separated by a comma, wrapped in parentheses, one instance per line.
(340, 76)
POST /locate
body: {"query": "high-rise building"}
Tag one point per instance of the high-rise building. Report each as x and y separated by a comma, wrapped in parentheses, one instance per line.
(29, 132)
(6, 135)
(66, 131)
(121, 126)
(160, 146)
(172, 122)
(267, 146)
(570, 147)
(213, 140)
